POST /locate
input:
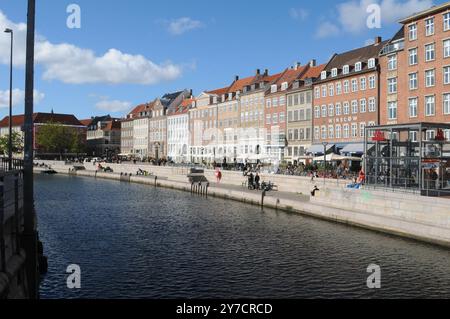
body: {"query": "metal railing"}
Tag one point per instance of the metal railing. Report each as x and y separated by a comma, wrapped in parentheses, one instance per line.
(428, 187)
(17, 164)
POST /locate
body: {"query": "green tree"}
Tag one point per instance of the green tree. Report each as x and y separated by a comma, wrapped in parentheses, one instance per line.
(17, 143)
(59, 139)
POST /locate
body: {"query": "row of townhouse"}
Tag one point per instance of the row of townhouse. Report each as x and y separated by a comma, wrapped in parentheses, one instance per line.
(307, 108)
(144, 131)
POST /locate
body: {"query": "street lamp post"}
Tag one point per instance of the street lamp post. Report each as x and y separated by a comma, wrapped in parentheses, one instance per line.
(10, 151)
(325, 144)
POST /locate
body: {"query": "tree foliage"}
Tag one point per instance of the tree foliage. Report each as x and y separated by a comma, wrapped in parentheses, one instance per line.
(59, 139)
(17, 143)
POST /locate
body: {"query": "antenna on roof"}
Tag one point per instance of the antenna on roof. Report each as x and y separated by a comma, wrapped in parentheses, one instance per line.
(52, 111)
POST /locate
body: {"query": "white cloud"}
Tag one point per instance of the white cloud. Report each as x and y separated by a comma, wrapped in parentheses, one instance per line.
(327, 29)
(70, 64)
(298, 14)
(352, 15)
(113, 106)
(182, 25)
(18, 97)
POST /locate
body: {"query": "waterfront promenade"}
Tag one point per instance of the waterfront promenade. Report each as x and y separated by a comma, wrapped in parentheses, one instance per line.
(403, 214)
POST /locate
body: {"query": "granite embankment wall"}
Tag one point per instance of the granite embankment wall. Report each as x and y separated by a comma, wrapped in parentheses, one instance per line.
(12, 256)
(407, 215)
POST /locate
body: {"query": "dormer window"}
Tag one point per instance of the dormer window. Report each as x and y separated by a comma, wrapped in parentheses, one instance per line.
(223, 97)
(230, 96)
(346, 69)
(334, 72)
(284, 86)
(371, 63)
(273, 88)
(358, 66)
(323, 75)
(215, 100)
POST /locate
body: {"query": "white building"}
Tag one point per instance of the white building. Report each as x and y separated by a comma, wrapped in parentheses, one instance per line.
(178, 137)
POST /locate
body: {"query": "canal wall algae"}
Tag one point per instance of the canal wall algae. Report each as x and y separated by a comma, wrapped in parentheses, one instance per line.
(406, 215)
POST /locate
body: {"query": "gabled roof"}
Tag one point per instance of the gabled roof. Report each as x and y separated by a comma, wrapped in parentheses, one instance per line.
(218, 92)
(142, 108)
(313, 72)
(113, 125)
(86, 122)
(240, 84)
(357, 55)
(43, 118)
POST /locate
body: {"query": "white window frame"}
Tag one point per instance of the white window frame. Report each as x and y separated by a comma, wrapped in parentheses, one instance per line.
(416, 107)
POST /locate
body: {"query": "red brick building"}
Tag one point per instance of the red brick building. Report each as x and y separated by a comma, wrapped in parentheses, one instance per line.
(415, 70)
(346, 100)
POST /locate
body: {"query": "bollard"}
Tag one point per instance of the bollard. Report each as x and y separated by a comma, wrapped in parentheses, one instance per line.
(156, 181)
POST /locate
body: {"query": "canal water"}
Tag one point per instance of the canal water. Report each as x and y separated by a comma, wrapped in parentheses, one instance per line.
(135, 241)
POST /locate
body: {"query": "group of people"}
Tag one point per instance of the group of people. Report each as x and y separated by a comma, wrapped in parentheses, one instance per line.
(253, 181)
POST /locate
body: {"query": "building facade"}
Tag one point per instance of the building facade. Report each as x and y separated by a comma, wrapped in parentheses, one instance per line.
(346, 100)
(178, 136)
(103, 136)
(415, 73)
(300, 113)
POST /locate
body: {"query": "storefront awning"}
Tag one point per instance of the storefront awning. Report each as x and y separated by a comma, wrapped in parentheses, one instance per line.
(316, 149)
(353, 148)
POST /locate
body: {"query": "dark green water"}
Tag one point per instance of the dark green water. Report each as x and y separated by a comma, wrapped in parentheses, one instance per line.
(134, 241)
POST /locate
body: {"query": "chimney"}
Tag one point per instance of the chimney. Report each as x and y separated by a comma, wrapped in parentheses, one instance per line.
(266, 72)
(297, 65)
(236, 78)
(258, 71)
(312, 63)
(377, 40)
(191, 93)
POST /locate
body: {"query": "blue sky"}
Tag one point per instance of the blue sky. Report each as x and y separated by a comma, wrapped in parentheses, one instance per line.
(129, 52)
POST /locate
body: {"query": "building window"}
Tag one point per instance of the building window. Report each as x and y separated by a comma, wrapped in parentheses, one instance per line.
(346, 86)
(430, 79)
(346, 69)
(446, 48)
(447, 75)
(430, 52)
(354, 130)
(372, 82)
(282, 101)
(331, 110)
(413, 58)
(316, 93)
(355, 107)
(317, 112)
(363, 106)
(338, 109)
(331, 89)
(392, 85)
(324, 132)
(412, 32)
(268, 119)
(324, 91)
(323, 75)
(338, 88)
(363, 83)
(330, 131)
(334, 72)
(446, 103)
(275, 118)
(430, 106)
(431, 135)
(429, 26)
(447, 21)
(413, 107)
(338, 131)
(324, 111)
(316, 133)
(354, 85)
(413, 81)
(282, 117)
(358, 67)
(346, 108)
(371, 63)
(346, 131)
(392, 110)
(362, 129)
(268, 103)
(392, 62)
